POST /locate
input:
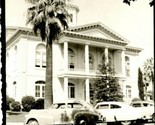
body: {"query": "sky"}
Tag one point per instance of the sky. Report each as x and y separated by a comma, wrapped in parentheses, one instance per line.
(134, 22)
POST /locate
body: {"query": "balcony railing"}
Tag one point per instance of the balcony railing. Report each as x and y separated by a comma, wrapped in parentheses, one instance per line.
(76, 72)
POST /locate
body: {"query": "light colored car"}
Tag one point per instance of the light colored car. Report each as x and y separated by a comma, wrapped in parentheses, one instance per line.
(72, 112)
(147, 109)
(117, 112)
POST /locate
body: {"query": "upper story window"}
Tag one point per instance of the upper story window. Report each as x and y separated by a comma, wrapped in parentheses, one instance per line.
(71, 90)
(127, 65)
(40, 89)
(91, 61)
(71, 58)
(40, 60)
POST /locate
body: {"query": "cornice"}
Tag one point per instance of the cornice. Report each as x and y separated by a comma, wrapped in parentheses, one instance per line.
(133, 49)
(92, 38)
(19, 31)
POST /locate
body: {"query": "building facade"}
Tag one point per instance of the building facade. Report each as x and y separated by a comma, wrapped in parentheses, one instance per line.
(76, 56)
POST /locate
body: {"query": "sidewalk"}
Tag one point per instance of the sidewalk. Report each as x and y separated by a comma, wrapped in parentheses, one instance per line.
(15, 123)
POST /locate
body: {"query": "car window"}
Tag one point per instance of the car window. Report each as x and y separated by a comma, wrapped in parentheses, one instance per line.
(61, 106)
(77, 105)
(151, 104)
(103, 106)
(145, 104)
(136, 105)
(114, 106)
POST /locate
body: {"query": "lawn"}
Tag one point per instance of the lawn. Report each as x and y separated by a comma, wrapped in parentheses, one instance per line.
(15, 116)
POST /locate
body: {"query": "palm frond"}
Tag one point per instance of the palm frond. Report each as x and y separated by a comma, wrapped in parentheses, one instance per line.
(53, 29)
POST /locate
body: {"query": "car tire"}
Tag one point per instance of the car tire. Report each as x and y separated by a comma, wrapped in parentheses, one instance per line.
(81, 121)
(153, 117)
(126, 123)
(33, 122)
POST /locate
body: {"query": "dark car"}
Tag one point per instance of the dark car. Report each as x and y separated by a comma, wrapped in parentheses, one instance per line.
(72, 112)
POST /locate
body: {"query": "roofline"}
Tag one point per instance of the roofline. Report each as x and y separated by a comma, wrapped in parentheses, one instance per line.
(135, 49)
(79, 35)
(22, 30)
(101, 25)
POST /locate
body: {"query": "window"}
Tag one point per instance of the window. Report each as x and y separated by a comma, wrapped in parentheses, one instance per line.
(77, 105)
(71, 90)
(71, 58)
(40, 89)
(103, 106)
(91, 60)
(113, 106)
(128, 91)
(40, 56)
(127, 66)
(137, 105)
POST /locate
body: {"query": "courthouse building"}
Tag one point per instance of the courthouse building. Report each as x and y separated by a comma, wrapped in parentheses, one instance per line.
(75, 59)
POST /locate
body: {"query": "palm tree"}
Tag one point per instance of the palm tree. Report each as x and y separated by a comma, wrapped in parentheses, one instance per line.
(48, 19)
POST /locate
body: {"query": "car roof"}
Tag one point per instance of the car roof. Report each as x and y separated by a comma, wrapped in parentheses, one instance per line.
(69, 101)
(143, 101)
(111, 102)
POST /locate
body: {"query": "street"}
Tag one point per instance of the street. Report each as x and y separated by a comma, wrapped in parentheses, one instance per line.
(20, 123)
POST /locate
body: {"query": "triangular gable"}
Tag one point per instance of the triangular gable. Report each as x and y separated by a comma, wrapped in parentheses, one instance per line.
(98, 30)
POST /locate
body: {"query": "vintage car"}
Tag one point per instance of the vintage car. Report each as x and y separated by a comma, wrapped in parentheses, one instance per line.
(118, 112)
(147, 109)
(71, 112)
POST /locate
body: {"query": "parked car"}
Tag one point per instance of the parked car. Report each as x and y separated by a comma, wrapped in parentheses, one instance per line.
(117, 112)
(147, 108)
(71, 112)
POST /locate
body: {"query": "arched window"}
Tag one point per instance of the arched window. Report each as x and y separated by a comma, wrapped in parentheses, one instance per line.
(128, 91)
(71, 58)
(71, 90)
(40, 60)
(40, 89)
(127, 65)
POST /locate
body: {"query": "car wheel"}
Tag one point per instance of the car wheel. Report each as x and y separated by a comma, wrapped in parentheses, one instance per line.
(126, 123)
(81, 121)
(153, 117)
(33, 122)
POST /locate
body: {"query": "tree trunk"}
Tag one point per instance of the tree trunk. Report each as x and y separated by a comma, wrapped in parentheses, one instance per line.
(49, 77)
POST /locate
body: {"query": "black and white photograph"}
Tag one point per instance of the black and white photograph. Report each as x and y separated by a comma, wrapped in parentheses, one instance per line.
(79, 62)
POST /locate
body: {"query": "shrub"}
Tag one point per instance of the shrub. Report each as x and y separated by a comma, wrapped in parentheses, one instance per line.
(15, 106)
(39, 104)
(28, 103)
(8, 102)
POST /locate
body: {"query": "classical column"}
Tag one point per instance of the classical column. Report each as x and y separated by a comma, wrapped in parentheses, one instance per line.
(66, 88)
(106, 55)
(123, 62)
(65, 56)
(87, 58)
(87, 90)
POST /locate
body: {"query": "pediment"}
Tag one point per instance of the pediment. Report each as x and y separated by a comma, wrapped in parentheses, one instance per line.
(98, 30)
